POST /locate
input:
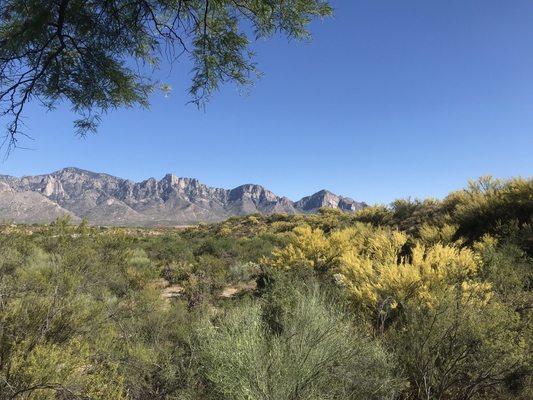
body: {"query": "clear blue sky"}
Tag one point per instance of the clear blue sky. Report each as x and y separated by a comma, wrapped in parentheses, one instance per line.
(391, 99)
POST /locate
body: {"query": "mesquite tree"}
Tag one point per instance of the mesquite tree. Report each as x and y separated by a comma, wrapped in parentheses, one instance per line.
(87, 52)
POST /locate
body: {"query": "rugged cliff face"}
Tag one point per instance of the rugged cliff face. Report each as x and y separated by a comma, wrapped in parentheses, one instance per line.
(327, 199)
(107, 200)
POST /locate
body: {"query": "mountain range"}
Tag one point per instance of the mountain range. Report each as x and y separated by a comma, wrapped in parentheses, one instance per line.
(103, 199)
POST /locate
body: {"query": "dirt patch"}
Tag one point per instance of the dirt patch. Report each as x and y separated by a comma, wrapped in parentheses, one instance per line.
(168, 291)
(172, 291)
(238, 289)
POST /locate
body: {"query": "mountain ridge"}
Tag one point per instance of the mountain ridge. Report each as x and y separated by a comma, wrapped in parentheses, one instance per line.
(104, 199)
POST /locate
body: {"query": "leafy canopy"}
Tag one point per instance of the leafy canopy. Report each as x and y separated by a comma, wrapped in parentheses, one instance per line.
(84, 51)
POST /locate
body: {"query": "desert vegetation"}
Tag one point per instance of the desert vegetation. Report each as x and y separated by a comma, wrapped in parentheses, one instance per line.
(416, 300)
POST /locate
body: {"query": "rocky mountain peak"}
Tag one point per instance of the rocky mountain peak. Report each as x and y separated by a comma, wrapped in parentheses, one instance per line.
(107, 200)
(326, 199)
(254, 192)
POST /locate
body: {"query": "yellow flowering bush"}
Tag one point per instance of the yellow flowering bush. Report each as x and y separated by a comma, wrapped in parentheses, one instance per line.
(370, 263)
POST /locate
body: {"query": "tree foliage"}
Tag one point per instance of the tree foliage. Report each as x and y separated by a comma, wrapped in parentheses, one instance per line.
(95, 54)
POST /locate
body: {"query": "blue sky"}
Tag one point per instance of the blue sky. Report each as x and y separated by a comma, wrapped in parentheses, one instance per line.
(391, 99)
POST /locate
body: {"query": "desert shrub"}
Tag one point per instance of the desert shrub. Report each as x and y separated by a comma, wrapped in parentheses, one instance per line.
(213, 267)
(369, 263)
(176, 272)
(87, 321)
(168, 249)
(43, 354)
(307, 248)
(376, 281)
(431, 234)
(486, 206)
(242, 271)
(14, 251)
(483, 203)
(317, 355)
(457, 316)
(252, 249)
(378, 215)
(221, 247)
(462, 348)
(509, 270)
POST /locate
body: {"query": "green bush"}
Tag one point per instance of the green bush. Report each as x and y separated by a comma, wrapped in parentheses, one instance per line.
(317, 355)
(463, 348)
